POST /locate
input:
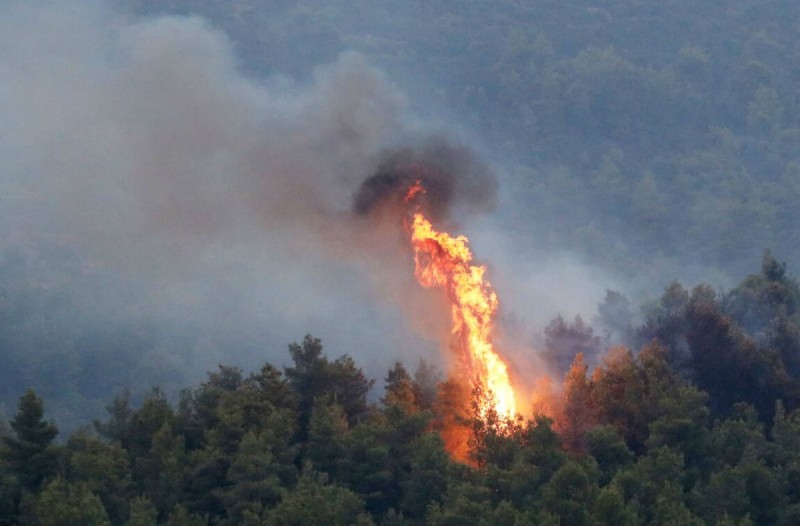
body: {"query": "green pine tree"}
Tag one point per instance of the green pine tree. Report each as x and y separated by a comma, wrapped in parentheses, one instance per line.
(29, 453)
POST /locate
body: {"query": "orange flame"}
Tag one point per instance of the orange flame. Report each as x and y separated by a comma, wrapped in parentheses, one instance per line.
(445, 261)
(413, 190)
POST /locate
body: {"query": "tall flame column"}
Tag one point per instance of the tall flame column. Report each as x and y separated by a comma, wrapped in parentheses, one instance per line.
(445, 261)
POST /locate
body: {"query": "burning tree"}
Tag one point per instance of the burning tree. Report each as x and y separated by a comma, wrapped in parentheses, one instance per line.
(418, 189)
(446, 261)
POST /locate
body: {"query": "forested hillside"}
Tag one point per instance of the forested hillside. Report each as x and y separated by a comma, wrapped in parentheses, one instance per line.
(654, 141)
(631, 443)
(632, 132)
(176, 191)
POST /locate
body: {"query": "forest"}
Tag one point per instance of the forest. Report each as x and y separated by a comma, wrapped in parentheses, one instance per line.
(652, 145)
(651, 155)
(632, 131)
(699, 426)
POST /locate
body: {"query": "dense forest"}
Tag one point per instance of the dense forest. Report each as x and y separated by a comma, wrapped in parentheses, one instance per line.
(633, 131)
(699, 426)
(656, 143)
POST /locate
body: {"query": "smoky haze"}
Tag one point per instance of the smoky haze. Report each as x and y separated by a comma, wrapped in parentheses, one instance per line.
(171, 200)
(171, 213)
(215, 209)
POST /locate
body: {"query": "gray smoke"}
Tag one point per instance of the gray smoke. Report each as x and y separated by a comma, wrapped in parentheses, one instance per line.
(141, 139)
(215, 207)
(214, 204)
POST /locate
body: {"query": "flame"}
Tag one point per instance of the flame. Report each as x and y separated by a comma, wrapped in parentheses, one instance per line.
(413, 190)
(442, 260)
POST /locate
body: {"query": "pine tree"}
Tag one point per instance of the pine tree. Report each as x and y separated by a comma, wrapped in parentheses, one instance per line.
(579, 413)
(399, 389)
(28, 453)
(252, 480)
(142, 513)
(315, 502)
(61, 503)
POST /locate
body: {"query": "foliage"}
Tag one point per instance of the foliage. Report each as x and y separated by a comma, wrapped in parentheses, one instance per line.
(63, 503)
(650, 153)
(638, 149)
(632, 444)
(28, 453)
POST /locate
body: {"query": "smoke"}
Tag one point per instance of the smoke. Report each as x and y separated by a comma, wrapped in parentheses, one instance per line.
(146, 131)
(214, 207)
(149, 184)
(141, 140)
(451, 175)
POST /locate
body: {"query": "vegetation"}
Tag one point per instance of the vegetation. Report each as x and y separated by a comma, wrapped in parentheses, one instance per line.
(653, 139)
(657, 141)
(634, 132)
(700, 426)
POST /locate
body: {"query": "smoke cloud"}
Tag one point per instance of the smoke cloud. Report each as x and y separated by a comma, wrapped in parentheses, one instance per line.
(146, 131)
(154, 186)
(451, 175)
(225, 204)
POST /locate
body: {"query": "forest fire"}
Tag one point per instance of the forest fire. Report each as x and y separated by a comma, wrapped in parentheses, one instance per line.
(442, 260)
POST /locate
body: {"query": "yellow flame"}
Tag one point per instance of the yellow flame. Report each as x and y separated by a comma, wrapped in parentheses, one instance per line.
(445, 261)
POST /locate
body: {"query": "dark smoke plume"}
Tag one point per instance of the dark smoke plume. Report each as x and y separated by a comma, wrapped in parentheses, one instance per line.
(452, 176)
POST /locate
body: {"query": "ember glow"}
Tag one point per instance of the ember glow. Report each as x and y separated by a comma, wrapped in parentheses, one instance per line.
(446, 261)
